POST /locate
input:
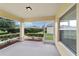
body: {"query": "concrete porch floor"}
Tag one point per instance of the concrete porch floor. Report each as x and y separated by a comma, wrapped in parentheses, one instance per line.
(30, 48)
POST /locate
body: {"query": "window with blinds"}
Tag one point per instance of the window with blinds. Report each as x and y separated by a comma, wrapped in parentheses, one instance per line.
(68, 29)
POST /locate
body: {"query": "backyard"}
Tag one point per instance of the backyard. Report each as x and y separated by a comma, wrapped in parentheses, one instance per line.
(49, 37)
(10, 32)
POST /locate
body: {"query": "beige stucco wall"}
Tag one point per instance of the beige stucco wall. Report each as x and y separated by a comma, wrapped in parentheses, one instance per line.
(15, 17)
(60, 46)
(44, 18)
(77, 29)
(9, 15)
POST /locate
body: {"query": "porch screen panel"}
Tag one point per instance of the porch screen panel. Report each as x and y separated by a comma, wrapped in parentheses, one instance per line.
(68, 29)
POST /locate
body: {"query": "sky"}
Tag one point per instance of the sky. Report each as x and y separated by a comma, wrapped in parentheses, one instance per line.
(37, 24)
(30, 24)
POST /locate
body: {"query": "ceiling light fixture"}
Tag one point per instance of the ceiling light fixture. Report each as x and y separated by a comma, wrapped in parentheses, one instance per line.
(29, 8)
(28, 11)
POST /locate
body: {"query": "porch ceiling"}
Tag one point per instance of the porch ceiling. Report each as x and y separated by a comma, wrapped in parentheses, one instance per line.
(39, 11)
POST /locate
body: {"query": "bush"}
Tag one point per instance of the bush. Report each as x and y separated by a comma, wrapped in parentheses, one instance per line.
(13, 30)
(3, 33)
(34, 34)
(32, 30)
(8, 36)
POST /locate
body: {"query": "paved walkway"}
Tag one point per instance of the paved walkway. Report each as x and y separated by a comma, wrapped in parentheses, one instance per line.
(30, 48)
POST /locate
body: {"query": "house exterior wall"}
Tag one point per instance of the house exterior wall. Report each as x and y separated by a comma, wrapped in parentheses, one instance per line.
(60, 46)
(9, 15)
(77, 29)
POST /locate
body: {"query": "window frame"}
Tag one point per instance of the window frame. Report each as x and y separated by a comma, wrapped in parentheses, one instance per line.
(60, 29)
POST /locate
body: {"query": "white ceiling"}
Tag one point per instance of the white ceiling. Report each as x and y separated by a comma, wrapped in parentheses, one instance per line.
(38, 9)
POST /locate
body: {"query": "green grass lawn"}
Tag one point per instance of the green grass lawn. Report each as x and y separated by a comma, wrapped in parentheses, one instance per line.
(49, 36)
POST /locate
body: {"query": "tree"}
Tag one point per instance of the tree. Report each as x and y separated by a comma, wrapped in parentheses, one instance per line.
(6, 24)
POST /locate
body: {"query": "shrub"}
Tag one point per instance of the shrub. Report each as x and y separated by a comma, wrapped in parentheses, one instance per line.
(13, 30)
(3, 33)
(8, 36)
(34, 34)
(33, 30)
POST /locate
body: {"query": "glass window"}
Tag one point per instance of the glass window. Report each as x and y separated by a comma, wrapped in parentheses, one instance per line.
(68, 29)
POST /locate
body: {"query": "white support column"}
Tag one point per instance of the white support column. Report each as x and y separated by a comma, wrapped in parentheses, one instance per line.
(21, 31)
(44, 34)
(56, 30)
